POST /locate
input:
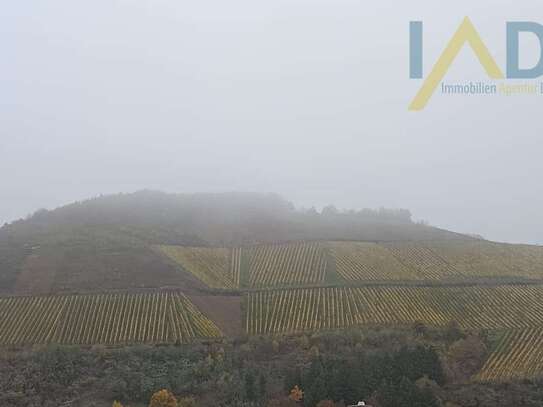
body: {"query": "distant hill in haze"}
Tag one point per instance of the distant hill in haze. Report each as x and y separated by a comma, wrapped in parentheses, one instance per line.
(108, 242)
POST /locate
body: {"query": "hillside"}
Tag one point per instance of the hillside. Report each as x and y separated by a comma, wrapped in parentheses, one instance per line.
(155, 268)
(108, 242)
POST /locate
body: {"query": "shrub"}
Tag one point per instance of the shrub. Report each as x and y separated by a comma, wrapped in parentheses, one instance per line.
(163, 398)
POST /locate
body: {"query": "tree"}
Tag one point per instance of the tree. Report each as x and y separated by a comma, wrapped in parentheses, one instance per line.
(250, 387)
(453, 332)
(405, 394)
(329, 210)
(420, 328)
(163, 398)
(296, 394)
(186, 402)
(326, 403)
(317, 391)
(465, 357)
(293, 377)
(262, 387)
(415, 363)
(282, 403)
(344, 383)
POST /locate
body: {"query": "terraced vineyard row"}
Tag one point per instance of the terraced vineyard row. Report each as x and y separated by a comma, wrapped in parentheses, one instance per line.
(296, 310)
(469, 259)
(518, 355)
(213, 266)
(489, 259)
(360, 261)
(235, 266)
(102, 319)
(422, 261)
(286, 264)
(306, 263)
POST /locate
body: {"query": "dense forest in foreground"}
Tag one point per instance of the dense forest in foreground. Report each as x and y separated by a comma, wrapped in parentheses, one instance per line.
(413, 366)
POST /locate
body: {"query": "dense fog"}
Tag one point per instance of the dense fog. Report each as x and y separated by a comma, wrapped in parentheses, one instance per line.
(307, 99)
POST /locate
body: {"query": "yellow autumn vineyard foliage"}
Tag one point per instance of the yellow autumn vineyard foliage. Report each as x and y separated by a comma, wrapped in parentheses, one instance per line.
(213, 266)
(307, 263)
(311, 286)
(286, 264)
(517, 356)
(462, 260)
(298, 310)
(361, 261)
(165, 317)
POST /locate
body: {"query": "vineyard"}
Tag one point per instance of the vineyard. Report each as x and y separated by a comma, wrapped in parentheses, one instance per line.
(312, 286)
(463, 260)
(236, 266)
(425, 263)
(314, 263)
(518, 355)
(488, 259)
(102, 319)
(297, 310)
(360, 261)
(286, 264)
(215, 267)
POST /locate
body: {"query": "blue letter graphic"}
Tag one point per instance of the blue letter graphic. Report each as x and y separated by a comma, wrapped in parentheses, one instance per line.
(513, 69)
(415, 49)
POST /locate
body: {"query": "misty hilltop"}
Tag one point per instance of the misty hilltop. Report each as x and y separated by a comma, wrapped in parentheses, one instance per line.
(107, 242)
(222, 219)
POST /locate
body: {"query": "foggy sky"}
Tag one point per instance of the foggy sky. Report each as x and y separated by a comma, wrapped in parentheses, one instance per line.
(304, 98)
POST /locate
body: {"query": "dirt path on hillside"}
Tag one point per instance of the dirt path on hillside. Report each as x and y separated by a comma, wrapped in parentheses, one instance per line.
(224, 310)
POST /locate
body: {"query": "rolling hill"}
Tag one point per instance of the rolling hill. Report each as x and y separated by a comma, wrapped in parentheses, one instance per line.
(110, 242)
(158, 268)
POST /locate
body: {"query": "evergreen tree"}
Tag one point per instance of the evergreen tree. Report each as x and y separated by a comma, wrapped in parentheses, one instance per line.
(262, 387)
(293, 377)
(405, 394)
(250, 387)
(316, 392)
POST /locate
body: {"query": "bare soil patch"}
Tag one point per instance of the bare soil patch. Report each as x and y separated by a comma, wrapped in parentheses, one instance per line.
(224, 310)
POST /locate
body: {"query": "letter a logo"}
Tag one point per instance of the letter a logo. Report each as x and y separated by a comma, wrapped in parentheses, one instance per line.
(465, 33)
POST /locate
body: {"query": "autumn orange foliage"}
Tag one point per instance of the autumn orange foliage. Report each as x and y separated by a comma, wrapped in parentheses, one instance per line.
(296, 394)
(163, 398)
